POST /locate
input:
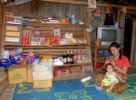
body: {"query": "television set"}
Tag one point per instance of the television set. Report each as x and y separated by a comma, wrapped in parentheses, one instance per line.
(109, 35)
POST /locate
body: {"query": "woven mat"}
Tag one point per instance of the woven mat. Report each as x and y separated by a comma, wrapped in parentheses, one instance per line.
(61, 90)
(130, 93)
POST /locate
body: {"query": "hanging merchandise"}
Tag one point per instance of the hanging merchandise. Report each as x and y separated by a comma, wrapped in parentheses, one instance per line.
(116, 25)
(109, 18)
(124, 10)
(98, 16)
(91, 5)
(108, 10)
(98, 12)
(98, 21)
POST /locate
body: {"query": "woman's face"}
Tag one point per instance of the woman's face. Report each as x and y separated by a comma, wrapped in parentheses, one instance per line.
(115, 51)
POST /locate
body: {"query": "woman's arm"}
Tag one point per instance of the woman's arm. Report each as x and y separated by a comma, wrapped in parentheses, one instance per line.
(125, 64)
(119, 77)
(122, 71)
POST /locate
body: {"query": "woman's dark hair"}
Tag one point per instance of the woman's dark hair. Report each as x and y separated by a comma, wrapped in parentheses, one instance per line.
(108, 64)
(116, 45)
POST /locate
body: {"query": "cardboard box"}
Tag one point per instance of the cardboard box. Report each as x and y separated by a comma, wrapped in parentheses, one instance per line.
(61, 72)
(42, 83)
(76, 69)
(29, 73)
(17, 74)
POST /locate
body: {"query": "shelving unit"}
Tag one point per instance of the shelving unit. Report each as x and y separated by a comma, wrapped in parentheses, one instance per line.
(98, 58)
(47, 29)
(12, 30)
(32, 31)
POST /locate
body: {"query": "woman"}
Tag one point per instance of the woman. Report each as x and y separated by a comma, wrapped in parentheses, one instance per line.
(120, 61)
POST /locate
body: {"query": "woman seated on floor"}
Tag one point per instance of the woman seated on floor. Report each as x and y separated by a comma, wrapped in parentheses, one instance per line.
(121, 65)
(120, 62)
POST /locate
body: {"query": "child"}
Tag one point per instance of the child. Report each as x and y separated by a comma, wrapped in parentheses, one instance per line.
(110, 78)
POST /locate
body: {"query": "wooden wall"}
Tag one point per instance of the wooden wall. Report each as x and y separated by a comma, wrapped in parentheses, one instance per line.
(46, 9)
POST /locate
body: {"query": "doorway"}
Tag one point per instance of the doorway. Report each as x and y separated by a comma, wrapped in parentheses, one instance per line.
(127, 36)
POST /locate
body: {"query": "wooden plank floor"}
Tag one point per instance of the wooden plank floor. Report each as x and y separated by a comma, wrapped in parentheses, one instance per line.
(7, 94)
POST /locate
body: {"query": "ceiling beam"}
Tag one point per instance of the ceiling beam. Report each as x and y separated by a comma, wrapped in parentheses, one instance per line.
(79, 2)
(133, 12)
(86, 3)
(128, 2)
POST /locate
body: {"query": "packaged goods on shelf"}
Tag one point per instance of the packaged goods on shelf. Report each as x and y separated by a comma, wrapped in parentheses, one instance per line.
(8, 33)
(12, 39)
(61, 72)
(65, 40)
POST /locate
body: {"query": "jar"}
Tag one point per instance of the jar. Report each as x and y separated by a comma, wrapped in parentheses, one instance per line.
(97, 42)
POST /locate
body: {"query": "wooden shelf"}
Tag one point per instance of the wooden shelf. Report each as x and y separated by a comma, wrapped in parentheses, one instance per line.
(73, 64)
(41, 24)
(98, 58)
(12, 31)
(50, 51)
(45, 29)
(79, 34)
(102, 47)
(74, 46)
(72, 76)
(13, 24)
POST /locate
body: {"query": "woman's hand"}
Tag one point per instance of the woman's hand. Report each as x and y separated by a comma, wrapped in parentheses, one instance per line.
(110, 61)
(122, 71)
(107, 61)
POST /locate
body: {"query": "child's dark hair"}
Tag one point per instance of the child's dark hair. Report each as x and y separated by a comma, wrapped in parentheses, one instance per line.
(108, 64)
(116, 45)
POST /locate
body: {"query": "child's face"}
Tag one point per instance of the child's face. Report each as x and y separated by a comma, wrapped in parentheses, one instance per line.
(109, 68)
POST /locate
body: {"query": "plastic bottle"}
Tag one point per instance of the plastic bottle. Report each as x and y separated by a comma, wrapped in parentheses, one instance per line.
(73, 20)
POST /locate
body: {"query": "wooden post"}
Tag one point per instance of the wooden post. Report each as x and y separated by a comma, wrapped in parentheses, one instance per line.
(133, 45)
(1, 25)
